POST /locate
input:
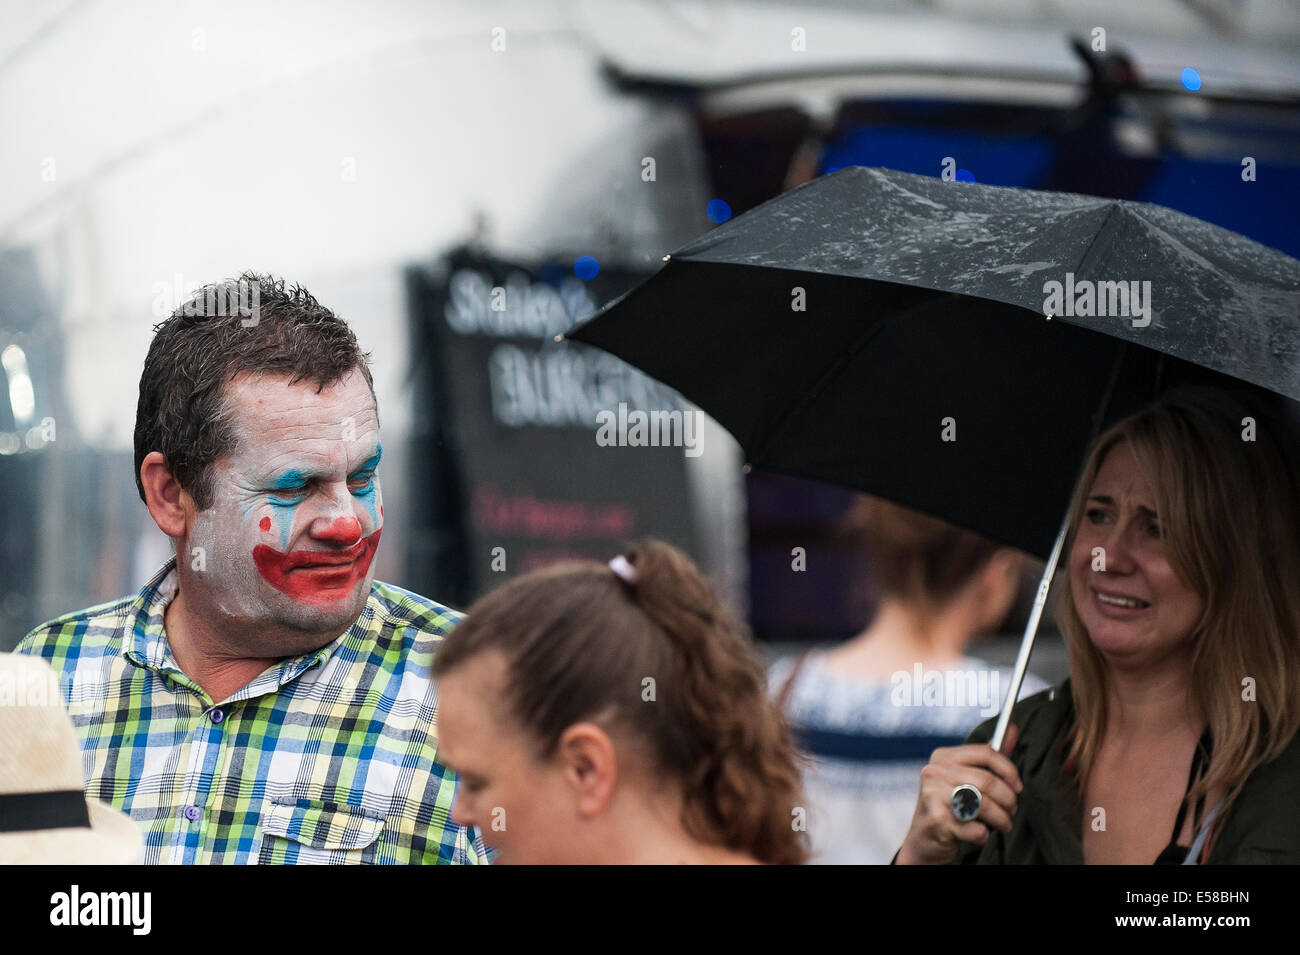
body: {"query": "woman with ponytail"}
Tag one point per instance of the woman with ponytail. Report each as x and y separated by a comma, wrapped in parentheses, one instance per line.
(616, 714)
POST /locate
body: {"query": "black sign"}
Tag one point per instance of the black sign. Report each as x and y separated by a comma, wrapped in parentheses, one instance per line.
(532, 450)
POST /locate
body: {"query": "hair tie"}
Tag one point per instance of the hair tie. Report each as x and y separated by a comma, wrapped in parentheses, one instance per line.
(620, 566)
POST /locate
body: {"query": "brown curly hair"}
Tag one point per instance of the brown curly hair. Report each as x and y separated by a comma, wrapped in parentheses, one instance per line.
(583, 644)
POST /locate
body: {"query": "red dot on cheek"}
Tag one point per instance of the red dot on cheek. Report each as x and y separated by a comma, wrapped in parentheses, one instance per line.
(264, 523)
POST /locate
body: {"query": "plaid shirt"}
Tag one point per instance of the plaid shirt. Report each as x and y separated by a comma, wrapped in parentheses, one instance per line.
(328, 757)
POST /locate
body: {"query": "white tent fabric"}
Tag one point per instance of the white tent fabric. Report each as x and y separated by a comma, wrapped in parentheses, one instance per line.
(153, 147)
(1236, 45)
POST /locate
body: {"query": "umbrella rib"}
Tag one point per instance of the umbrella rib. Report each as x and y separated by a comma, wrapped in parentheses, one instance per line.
(832, 372)
(1101, 230)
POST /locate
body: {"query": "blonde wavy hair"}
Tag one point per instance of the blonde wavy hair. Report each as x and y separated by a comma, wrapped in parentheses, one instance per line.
(1230, 512)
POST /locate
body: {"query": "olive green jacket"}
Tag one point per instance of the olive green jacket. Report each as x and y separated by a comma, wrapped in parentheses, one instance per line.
(1263, 826)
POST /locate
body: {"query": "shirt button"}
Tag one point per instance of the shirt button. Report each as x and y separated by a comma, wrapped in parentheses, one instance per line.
(216, 716)
(192, 813)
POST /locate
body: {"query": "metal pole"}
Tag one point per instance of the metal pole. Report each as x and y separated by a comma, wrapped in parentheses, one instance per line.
(1049, 571)
(1027, 641)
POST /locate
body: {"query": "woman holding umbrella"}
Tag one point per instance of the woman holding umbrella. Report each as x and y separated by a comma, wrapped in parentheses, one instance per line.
(1175, 738)
(929, 307)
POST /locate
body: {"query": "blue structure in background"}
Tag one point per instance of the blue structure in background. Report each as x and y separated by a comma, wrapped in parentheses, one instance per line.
(718, 210)
(1266, 209)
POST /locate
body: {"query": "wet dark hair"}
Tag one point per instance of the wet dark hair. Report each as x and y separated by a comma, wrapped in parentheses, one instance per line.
(581, 644)
(205, 344)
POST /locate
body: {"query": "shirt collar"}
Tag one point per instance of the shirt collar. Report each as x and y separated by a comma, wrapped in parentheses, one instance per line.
(146, 643)
(147, 646)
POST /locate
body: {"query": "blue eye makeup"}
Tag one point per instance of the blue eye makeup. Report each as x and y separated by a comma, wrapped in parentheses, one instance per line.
(368, 467)
(288, 488)
(366, 474)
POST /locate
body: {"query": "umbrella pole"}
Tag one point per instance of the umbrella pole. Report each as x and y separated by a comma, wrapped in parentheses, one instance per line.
(1049, 571)
(1027, 641)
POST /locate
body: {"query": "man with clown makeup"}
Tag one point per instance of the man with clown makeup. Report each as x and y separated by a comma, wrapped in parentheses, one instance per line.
(263, 698)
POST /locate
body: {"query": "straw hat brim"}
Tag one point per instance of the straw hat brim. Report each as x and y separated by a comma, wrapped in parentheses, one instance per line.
(112, 839)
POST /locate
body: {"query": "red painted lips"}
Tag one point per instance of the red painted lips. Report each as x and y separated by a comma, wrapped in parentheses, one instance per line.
(313, 576)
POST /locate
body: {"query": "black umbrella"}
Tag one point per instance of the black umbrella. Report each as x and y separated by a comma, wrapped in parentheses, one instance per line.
(950, 346)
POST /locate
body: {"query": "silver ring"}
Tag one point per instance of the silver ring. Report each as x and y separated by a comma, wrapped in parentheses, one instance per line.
(965, 802)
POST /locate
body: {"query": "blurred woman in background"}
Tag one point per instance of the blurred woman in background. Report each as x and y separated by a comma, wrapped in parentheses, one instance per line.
(871, 711)
(615, 714)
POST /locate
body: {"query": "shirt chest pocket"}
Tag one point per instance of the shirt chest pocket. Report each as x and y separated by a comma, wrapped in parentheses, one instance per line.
(310, 832)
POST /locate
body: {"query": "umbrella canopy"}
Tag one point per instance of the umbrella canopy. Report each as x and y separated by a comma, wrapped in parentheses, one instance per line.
(952, 346)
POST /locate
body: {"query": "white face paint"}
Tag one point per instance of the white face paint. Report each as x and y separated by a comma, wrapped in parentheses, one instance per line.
(296, 515)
